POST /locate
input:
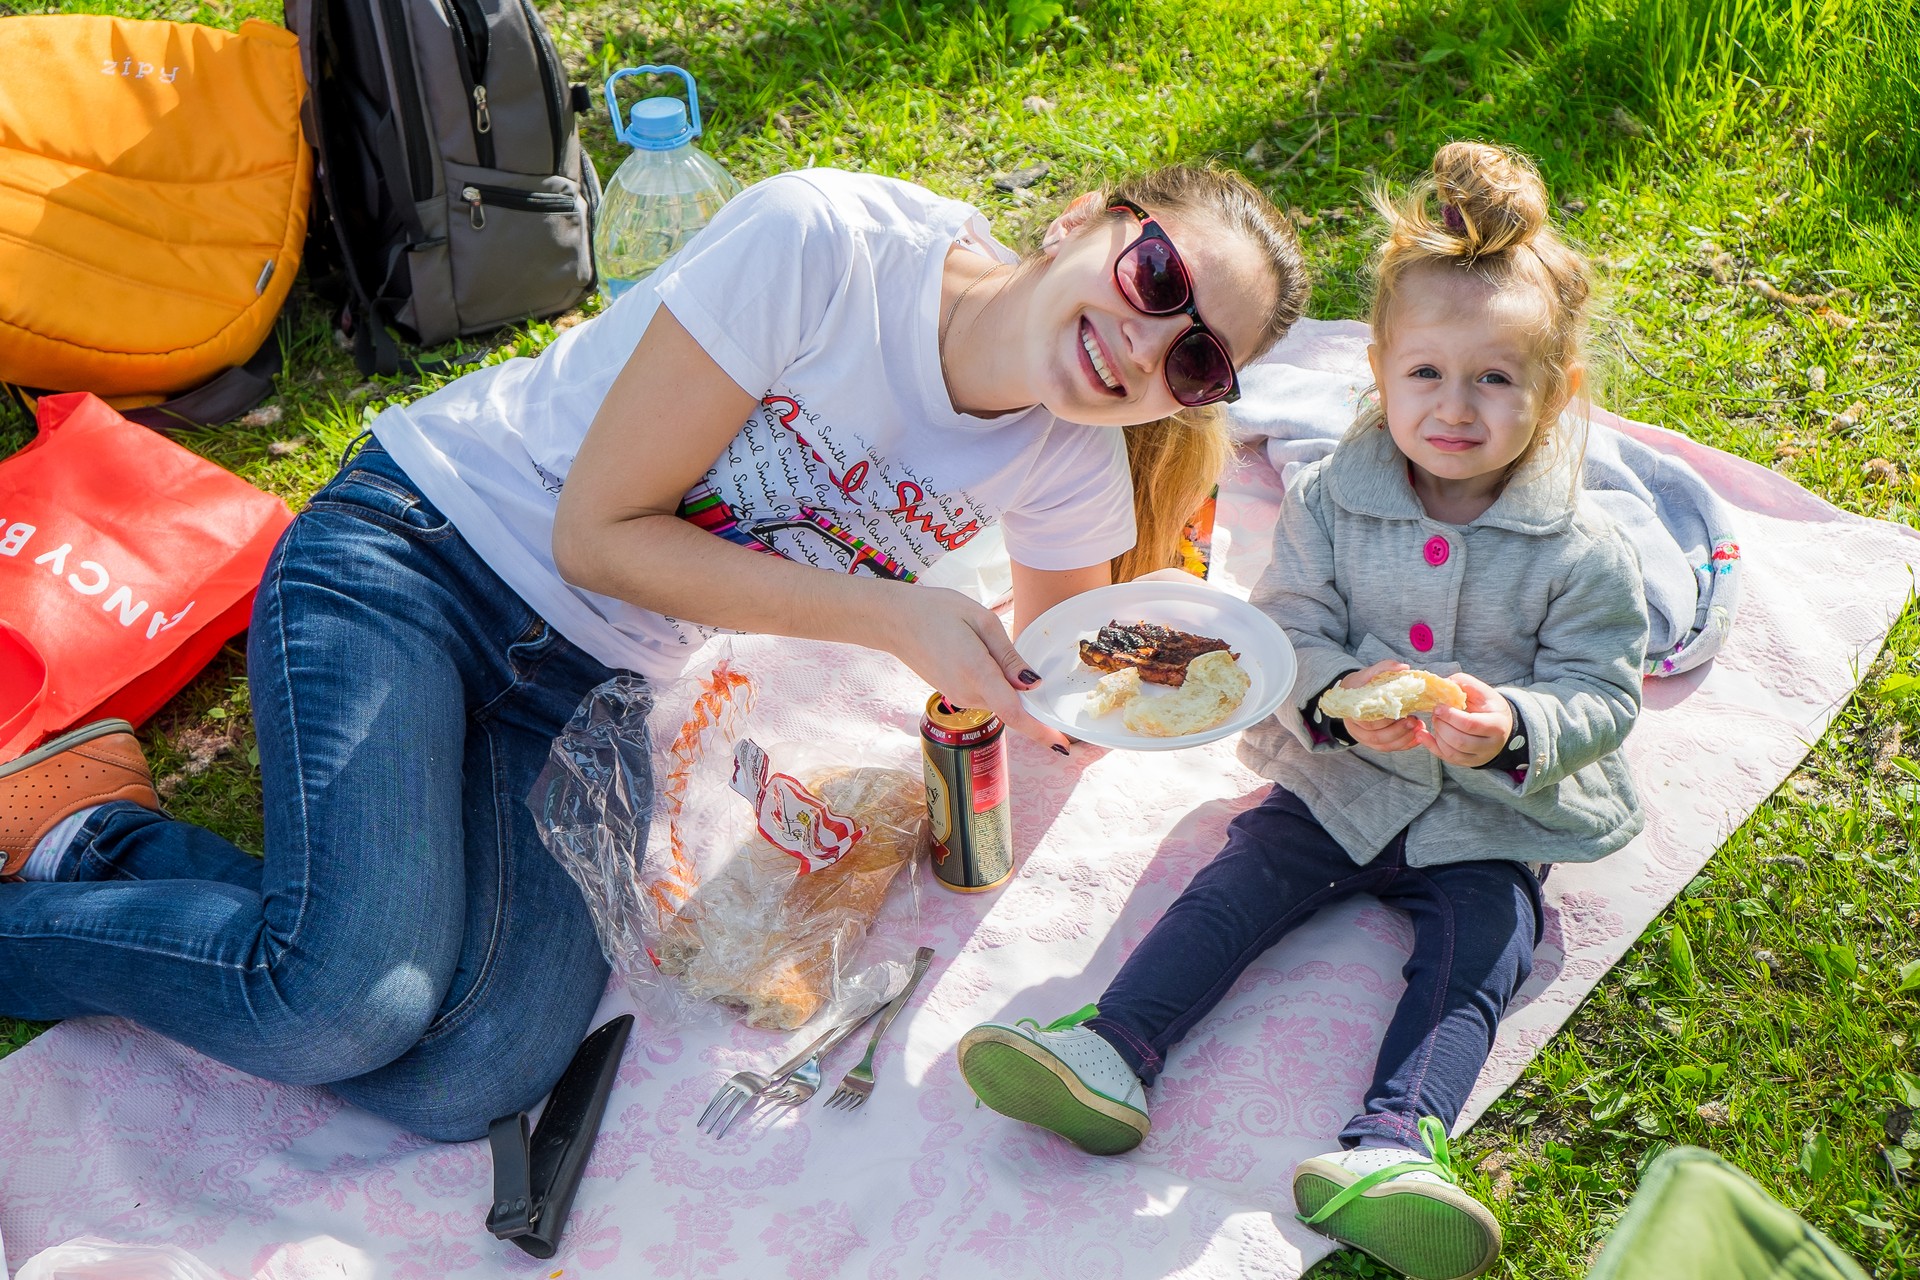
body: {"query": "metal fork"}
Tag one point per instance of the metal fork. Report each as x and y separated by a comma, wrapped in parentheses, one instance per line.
(857, 1085)
(800, 1086)
(804, 1081)
(743, 1088)
(732, 1097)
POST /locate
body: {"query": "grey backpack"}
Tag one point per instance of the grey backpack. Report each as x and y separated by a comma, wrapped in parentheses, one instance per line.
(452, 195)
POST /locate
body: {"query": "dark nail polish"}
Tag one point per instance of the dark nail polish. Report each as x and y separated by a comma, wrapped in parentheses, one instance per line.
(1030, 676)
(1057, 747)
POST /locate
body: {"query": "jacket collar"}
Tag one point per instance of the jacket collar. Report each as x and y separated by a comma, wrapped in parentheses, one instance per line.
(1368, 476)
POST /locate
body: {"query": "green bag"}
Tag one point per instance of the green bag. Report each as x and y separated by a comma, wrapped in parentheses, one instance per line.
(1696, 1217)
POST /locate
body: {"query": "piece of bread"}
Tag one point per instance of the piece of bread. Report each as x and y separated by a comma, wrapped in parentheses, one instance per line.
(1391, 696)
(1115, 690)
(761, 937)
(1213, 690)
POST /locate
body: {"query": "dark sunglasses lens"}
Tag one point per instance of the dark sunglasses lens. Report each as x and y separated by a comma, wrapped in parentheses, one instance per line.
(1198, 370)
(1152, 278)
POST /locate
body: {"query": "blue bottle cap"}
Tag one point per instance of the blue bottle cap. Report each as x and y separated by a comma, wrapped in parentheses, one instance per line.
(655, 124)
(659, 124)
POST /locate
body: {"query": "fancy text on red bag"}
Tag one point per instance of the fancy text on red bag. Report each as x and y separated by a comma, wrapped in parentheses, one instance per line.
(89, 578)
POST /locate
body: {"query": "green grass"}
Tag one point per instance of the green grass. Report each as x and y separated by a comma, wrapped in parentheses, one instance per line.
(1695, 145)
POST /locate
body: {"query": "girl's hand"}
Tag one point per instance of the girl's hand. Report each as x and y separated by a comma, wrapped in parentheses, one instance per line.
(1476, 735)
(1382, 735)
(960, 648)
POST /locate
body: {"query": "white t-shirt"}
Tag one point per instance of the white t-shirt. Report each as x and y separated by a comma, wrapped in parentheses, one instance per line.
(819, 293)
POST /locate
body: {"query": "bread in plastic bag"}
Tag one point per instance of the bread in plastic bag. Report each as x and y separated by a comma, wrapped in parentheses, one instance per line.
(647, 801)
(91, 1258)
(770, 940)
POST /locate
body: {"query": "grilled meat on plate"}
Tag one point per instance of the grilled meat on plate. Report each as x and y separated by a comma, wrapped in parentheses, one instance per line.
(1161, 654)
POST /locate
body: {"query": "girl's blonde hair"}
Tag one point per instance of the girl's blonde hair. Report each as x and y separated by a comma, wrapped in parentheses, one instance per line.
(1177, 460)
(1484, 211)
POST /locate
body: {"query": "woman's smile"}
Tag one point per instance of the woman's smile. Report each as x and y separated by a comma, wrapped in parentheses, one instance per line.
(1095, 364)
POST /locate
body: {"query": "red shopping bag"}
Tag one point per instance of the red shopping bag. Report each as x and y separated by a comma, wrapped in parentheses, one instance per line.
(126, 562)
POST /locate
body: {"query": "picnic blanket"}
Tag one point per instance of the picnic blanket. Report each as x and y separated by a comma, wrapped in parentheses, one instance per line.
(110, 1130)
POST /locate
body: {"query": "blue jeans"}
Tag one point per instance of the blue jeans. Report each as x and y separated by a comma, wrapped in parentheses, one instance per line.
(407, 939)
(1474, 926)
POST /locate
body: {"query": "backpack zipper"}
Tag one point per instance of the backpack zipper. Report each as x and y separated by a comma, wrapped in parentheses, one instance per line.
(479, 197)
(473, 24)
(549, 60)
(418, 175)
(592, 194)
(469, 26)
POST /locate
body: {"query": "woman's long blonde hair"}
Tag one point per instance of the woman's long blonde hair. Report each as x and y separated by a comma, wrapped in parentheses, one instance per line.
(1483, 210)
(1177, 460)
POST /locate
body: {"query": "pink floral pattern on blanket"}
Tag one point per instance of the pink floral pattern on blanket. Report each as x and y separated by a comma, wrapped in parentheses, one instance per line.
(109, 1130)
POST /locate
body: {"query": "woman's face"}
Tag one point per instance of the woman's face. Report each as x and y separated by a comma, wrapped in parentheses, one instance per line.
(1091, 357)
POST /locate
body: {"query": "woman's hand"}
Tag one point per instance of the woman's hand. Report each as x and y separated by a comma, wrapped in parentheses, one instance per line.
(1382, 735)
(1474, 736)
(961, 649)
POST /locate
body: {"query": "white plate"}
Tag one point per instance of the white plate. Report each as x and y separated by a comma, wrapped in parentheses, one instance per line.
(1051, 646)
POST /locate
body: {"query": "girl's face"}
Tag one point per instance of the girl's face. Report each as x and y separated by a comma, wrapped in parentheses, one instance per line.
(1458, 380)
(1090, 356)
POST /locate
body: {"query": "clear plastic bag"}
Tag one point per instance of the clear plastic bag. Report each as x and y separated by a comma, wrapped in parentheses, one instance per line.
(91, 1258)
(728, 858)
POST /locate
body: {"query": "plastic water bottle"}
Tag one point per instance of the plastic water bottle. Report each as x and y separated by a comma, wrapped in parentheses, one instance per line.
(662, 193)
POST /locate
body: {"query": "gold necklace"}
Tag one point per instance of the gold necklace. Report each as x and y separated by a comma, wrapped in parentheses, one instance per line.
(947, 325)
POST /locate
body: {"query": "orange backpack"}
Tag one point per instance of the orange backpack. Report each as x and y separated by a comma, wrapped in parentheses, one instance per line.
(153, 203)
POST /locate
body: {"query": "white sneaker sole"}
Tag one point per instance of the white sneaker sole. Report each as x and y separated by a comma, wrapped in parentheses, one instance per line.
(1425, 1230)
(1023, 1080)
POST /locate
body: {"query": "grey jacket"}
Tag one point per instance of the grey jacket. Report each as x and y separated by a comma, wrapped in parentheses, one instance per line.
(1538, 597)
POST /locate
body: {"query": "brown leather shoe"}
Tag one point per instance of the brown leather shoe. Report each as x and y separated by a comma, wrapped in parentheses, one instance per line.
(90, 765)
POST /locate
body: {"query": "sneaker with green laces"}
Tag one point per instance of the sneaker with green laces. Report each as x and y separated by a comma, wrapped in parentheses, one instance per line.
(1404, 1209)
(1062, 1077)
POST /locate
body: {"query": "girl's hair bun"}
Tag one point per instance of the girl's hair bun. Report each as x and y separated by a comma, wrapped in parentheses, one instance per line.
(1483, 213)
(1490, 199)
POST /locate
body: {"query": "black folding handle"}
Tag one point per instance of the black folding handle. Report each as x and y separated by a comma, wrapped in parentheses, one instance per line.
(535, 1177)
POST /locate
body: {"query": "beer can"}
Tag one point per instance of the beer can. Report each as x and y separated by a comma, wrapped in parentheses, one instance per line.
(967, 795)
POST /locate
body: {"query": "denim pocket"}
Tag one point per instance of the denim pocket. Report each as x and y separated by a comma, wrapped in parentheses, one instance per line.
(526, 654)
(366, 494)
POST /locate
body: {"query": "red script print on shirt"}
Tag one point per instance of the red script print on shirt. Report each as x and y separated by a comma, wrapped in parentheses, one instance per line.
(829, 508)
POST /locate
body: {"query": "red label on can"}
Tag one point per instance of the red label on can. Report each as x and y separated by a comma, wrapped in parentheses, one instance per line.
(989, 768)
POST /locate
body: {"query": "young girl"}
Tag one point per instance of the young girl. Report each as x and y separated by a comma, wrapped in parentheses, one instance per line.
(1446, 531)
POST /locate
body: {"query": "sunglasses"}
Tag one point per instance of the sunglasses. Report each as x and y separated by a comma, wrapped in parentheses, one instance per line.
(1155, 282)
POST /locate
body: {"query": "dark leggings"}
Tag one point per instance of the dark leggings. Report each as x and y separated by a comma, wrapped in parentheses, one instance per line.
(1474, 927)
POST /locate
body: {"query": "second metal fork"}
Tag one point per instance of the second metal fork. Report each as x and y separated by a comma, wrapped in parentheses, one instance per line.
(797, 1086)
(857, 1085)
(742, 1090)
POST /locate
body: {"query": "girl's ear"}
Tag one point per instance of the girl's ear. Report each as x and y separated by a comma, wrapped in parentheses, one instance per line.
(1373, 361)
(1075, 216)
(1570, 390)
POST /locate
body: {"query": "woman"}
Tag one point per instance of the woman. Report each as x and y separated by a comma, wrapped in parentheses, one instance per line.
(428, 624)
